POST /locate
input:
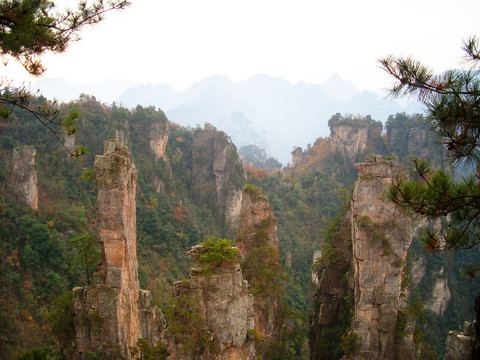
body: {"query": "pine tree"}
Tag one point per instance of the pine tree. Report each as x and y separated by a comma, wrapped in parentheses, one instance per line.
(452, 100)
(28, 30)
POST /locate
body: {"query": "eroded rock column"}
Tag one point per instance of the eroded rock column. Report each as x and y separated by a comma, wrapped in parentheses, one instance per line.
(25, 175)
(257, 240)
(214, 316)
(111, 315)
(381, 236)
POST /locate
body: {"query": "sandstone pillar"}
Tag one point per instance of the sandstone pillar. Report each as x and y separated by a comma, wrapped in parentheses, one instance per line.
(214, 316)
(111, 315)
(381, 236)
(25, 175)
(257, 240)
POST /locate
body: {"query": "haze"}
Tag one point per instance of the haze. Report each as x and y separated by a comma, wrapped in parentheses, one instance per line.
(183, 41)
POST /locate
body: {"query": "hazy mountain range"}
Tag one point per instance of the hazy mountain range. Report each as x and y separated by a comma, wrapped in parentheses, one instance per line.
(263, 110)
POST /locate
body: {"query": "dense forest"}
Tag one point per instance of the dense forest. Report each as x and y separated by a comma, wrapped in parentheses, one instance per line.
(47, 251)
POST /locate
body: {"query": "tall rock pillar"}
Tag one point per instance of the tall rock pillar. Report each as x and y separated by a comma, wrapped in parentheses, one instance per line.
(258, 242)
(111, 315)
(381, 236)
(24, 175)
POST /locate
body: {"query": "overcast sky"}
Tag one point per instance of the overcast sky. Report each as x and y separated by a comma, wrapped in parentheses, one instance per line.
(179, 42)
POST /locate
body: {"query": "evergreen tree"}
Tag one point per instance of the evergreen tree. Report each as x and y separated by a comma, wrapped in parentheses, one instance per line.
(452, 100)
(28, 30)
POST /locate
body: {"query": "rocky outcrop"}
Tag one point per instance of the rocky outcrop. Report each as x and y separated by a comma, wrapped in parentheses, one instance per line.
(317, 255)
(412, 140)
(159, 139)
(24, 175)
(111, 315)
(222, 311)
(69, 143)
(381, 236)
(297, 156)
(460, 345)
(258, 242)
(441, 295)
(218, 175)
(349, 140)
(256, 216)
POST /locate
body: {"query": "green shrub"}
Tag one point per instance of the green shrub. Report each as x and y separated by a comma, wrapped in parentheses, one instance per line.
(215, 252)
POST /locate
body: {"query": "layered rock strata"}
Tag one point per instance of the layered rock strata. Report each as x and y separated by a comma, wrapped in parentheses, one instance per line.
(381, 236)
(111, 315)
(258, 237)
(222, 310)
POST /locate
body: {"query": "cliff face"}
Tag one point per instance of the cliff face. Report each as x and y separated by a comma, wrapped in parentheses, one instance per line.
(349, 140)
(361, 275)
(159, 139)
(218, 175)
(381, 236)
(223, 314)
(24, 175)
(353, 140)
(257, 240)
(413, 140)
(256, 214)
(111, 315)
(333, 300)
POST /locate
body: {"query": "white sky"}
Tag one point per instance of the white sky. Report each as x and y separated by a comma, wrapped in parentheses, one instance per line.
(179, 42)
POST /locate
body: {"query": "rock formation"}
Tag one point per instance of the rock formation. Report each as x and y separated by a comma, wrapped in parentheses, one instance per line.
(219, 315)
(413, 140)
(440, 296)
(258, 242)
(159, 139)
(460, 345)
(333, 300)
(218, 175)
(349, 140)
(317, 255)
(111, 315)
(24, 175)
(381, 236)
(297, 156)
(361, 273)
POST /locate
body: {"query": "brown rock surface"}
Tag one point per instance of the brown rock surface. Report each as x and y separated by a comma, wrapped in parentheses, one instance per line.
(256, 213)
(24, 175)
(111, 315)
(258, 230)
(222, 302)
(159, 139)
(218, 175)
(381, 236)
(349, 140)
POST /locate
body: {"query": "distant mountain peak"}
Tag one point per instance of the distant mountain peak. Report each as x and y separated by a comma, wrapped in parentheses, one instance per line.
(340, 89)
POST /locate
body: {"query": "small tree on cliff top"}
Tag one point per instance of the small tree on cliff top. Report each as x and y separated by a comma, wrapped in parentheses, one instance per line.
(452, 100)
(214, 252)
